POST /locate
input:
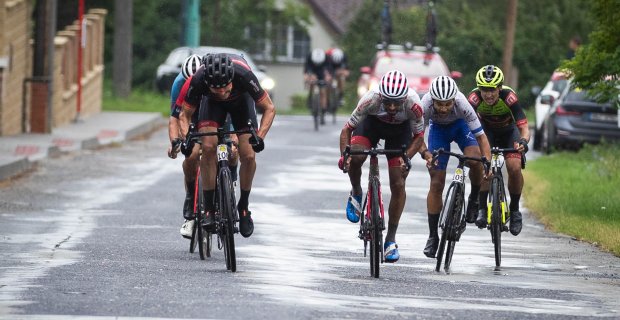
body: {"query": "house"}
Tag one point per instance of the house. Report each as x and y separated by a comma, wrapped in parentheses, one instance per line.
(328, 22)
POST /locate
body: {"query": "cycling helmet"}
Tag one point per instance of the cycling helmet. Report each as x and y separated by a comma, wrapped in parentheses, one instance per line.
(443, 88)
(337, 55)
(394, 85)
(489, 76)
(317, 56)
(190, 65)
(219, 70)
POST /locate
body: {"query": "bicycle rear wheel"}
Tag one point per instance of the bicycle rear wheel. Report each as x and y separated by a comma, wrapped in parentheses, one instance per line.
(376, 251)
(227, 210)
(196, 208)
(496, 220)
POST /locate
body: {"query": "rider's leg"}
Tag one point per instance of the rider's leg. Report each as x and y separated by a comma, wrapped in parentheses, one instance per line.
(475, 178)
(397, 200)
(515, 185)
(434, 205)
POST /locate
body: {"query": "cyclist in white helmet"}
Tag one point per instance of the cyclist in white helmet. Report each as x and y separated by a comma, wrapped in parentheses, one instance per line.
(188, 68)
(391, 112)
(451, 119)
(317, 71)
(340, 69)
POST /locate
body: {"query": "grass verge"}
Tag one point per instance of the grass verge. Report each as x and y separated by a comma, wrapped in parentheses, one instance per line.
(139, 100)
(577, 194)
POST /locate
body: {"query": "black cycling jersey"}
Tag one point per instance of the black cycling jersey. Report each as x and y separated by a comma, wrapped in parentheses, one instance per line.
(319, 70)
(504, 113)
(243, 81)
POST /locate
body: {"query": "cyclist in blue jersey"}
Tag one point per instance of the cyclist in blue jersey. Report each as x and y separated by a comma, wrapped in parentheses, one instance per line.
(188, 68)
(451, 119)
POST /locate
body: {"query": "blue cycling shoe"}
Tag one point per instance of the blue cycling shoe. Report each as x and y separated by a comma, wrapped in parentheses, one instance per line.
(391, 252)
(354, 208)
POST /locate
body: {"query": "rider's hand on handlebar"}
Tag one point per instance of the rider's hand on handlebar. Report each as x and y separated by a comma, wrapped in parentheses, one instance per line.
(258, 144)
(521, 145)
(175, 147)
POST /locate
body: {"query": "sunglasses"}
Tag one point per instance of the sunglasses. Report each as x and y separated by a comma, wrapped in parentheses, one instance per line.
(388, 101)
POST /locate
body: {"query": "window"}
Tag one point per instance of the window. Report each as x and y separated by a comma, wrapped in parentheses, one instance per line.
(288, 42)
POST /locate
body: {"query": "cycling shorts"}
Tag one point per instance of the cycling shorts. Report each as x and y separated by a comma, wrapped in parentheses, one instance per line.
(442, 135)
(213, 113)
(504, 138)
(371, 130)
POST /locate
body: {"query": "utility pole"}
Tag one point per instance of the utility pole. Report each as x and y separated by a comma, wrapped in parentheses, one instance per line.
(511, 21)
(191, 23)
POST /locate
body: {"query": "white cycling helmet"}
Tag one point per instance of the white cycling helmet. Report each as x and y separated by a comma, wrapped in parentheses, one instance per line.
(337, 55)
(394, 85)
(443, 88)
(190, 65)
(318, 56)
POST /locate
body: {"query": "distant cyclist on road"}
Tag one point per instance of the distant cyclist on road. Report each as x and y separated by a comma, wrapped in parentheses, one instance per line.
(451, 119)
(340, 69)
(505, 124)
(188, 68)
(317, 71)
(231, 88)
(393, 113)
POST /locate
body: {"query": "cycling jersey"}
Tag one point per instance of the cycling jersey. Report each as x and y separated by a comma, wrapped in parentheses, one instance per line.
(504, 113)
(461, 126)
(243, 81)
(370, 105)
(461, 110)
(317, 69)
(177, 92)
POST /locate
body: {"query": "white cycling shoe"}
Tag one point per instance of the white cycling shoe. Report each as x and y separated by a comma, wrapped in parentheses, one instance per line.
(187, 228)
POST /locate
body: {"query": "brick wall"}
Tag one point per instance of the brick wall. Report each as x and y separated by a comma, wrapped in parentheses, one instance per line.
(15, 48)
(16, 52)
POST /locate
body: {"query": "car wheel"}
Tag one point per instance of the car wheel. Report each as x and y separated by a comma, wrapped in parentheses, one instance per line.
(537, 139)
(549, 137)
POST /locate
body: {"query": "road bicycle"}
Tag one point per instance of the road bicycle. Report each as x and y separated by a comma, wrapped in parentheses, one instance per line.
(314, 102)
(372, 222)
(333, 101)
(452, 216)
(226, 215)
(497, 208)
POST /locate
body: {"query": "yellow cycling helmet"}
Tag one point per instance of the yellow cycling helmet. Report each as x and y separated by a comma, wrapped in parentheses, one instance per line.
(489, 76)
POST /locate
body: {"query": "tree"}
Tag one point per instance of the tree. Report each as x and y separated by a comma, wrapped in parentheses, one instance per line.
(121, 66)
(596, 65)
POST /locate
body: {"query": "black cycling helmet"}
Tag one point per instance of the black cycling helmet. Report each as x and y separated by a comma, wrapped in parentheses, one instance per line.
(219, 71)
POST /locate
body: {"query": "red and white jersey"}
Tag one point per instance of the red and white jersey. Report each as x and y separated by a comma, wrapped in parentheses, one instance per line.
(370, 105)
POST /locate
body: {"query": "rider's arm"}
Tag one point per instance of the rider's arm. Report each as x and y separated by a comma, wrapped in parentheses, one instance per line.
(187, 102)
(415, 113)
(269, 112)
(512, 101)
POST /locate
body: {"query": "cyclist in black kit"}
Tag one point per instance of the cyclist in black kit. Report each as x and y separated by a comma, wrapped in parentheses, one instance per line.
(318, 69)
(230, 88)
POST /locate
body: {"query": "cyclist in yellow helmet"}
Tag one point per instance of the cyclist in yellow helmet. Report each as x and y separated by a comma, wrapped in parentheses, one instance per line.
(505, 124)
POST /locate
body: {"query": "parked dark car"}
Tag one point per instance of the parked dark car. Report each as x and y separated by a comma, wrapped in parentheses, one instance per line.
(576, 118)
(420, 66)
(168, 71)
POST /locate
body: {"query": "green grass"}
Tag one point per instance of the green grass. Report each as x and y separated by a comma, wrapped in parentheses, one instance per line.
(139, 100)
(578, 194)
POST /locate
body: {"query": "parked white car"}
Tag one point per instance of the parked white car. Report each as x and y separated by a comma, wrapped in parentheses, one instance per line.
(545, 97)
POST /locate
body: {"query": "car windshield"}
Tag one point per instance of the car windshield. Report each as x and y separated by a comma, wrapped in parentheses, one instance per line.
(559, 85)
(580, 95)
(411, 65)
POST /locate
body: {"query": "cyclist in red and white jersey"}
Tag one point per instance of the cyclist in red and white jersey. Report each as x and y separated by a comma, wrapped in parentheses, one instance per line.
(393, 113)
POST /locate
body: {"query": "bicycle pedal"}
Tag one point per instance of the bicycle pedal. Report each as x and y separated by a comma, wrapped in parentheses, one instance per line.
(504, 228)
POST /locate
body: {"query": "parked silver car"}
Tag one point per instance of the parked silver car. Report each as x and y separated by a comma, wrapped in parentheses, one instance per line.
(576, 118)
(168, 71)
(545, 96)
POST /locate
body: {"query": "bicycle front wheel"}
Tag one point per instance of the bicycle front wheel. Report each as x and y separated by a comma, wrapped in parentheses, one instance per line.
(456, 221)
(445, 219)
(376, 233)
(316, 109)
(198, 201)
(496, 220)
(227, 211)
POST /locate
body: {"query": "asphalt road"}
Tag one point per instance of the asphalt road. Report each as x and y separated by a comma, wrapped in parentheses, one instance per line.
(95, 235)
